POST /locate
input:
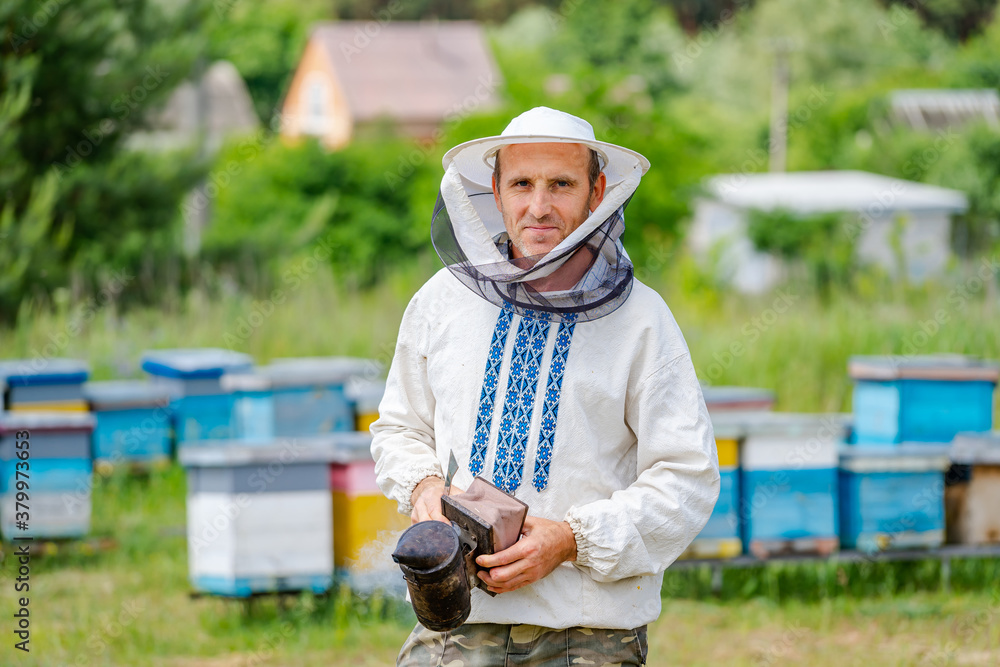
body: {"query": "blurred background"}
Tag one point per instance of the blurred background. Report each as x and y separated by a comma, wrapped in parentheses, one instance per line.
(258, 177)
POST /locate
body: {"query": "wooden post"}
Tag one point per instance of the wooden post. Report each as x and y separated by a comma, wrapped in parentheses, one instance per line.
(778, 137)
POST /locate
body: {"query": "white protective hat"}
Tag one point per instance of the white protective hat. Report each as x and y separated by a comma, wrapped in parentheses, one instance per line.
(475, 158)
(466, 224)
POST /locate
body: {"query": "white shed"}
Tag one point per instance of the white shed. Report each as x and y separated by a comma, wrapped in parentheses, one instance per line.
(875, 204)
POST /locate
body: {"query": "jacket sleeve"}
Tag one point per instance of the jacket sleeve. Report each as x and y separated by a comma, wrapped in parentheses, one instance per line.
(403, 443)
(643, 528)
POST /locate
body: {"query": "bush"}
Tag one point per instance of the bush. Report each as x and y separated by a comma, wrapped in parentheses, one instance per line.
(361, 203)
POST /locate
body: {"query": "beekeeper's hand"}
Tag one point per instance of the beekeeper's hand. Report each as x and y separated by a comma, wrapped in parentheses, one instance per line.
(544, 544)
(426, 500)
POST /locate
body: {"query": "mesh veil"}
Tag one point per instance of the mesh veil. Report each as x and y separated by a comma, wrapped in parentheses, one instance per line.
(469, 236)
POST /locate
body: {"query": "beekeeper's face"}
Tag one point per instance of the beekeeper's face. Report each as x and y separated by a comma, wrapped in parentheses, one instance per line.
(544, 193)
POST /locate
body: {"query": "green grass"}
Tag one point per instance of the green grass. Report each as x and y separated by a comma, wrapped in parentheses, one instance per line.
(130, 605)
(800, 353)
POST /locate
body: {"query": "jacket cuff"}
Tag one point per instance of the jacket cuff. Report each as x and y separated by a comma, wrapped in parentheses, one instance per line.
(584, 548)
(408, 481)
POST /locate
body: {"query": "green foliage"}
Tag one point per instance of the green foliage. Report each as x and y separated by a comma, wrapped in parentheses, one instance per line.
(547, 59)
(24, 228)
(410, 10)
(355, 205)
(816, 581)
(264, 40)
(817, 242)
(977, 65)
(956, 19)
(75, 79)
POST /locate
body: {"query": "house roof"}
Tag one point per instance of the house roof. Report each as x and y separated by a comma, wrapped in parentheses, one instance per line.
(926, 109)
(218, 103)
(411, 70)
(809, 192)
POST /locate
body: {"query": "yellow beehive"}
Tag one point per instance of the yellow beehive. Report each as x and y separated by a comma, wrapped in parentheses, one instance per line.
(365, 420)
(728, 452)
(366, 524)
(51, 406)
(366, 396)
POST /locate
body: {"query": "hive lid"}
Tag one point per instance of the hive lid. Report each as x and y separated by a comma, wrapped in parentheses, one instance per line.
(196, 363)
(245, 382)
(40, 422)
(366, 393)
(343, 447)
(126, 393)
(972, 448)
(318, 370)
(28, 372)
(924, 367)
(903, 457)
(729, 425)
(793, 424)
(725, 399)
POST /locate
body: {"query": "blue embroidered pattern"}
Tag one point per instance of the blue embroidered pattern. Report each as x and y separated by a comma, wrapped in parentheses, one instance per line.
(487, 397)
(550, 409)
(529, 344)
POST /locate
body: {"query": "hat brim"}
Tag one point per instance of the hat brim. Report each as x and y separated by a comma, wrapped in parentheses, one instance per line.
(475, 158)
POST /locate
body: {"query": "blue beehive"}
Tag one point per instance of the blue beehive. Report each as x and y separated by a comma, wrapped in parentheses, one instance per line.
(920, 399)
(45, 456)
(788, 482)
(253, 406)
(43, 385)
(133, 421)
(298, 397)
(892, 497)
(365, 395)
(720, 538)
(202, 409)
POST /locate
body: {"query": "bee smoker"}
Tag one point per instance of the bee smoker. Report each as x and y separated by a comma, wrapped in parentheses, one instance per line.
(439, 561)
(432, 559)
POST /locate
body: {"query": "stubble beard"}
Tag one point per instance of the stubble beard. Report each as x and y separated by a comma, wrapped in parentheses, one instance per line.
(518, 241)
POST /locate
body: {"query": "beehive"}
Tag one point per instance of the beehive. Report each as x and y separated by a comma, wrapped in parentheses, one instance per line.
(260, 517)
(366, 523)
(253, 407)
(788, 482)
(720, 538)
(202, 409)
(365, 396)
(298, 397)
(45, 456)
(892, 497)
(46, 385)
(133, 422)
(977, 516)
(737, 399)
(921, 399)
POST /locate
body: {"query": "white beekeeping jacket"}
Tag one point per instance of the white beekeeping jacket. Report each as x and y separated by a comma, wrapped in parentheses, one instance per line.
(599, 423)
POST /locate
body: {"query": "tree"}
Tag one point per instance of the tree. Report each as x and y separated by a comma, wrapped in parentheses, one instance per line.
(264, 39)
(75, 79)
(956, 19)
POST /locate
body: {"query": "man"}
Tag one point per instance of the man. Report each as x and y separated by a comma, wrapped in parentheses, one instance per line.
(540, 361)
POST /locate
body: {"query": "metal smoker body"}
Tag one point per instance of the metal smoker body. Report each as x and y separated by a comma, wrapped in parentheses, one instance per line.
(439, 562)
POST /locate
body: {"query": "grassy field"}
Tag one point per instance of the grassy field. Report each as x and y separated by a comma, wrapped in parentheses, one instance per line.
(791, 341)
(130, 605)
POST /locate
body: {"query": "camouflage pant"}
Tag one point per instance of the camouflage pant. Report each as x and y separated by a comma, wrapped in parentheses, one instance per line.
(492, 645)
